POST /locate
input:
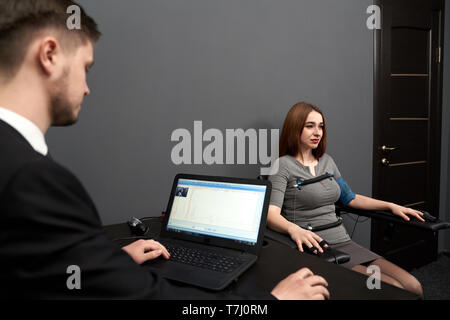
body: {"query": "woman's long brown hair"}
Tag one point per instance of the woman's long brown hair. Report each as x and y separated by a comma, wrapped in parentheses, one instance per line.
(293, 128)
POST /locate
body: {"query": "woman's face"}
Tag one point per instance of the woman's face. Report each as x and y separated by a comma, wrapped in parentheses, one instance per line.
(312, 131)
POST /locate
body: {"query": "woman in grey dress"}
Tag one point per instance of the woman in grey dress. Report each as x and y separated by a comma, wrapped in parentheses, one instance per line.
(291, 211)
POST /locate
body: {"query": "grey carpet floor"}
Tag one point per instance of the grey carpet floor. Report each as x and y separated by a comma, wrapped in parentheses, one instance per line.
(435, 278)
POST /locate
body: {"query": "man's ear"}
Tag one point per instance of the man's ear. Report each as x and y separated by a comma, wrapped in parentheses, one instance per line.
(49, 55)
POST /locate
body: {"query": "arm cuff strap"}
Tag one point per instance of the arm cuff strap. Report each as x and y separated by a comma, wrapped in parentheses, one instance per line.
(347, 194)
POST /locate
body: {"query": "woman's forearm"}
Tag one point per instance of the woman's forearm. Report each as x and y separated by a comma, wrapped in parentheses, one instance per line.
(366, 203)
(277, 222)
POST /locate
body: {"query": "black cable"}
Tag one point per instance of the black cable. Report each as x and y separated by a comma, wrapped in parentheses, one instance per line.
(150, 218)
(295, 198)
(354, 227)
(356, 221)
(351, 218)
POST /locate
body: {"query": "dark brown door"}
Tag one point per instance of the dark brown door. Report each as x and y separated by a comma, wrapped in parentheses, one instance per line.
(407, 118)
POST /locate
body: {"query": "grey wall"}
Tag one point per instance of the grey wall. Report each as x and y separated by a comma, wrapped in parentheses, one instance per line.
(444, 242)
(162, 64)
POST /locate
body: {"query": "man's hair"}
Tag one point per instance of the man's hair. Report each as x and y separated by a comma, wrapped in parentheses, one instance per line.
(20, 20)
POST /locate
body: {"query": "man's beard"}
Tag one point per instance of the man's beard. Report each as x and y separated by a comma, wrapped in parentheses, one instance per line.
(62, 110)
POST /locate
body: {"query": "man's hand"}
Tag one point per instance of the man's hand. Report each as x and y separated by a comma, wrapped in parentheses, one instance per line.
(144, 250)
(302, 285)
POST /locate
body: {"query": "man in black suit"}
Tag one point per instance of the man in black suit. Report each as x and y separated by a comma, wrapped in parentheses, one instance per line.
(48, 222)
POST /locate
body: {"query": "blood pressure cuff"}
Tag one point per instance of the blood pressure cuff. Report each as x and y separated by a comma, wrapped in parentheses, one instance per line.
(347, 194)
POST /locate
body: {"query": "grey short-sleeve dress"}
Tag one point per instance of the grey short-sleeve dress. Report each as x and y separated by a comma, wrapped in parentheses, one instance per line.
(314, 203)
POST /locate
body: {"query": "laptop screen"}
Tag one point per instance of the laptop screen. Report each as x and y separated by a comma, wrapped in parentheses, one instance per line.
(219, 209)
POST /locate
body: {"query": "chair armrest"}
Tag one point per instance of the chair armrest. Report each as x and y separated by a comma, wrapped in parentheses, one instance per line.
(280, 237)
(329, 254)
(390, 217)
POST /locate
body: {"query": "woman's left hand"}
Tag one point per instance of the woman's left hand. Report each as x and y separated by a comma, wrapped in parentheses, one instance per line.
(403, 212)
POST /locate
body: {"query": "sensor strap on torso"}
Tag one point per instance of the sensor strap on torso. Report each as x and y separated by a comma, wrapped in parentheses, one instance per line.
(301, 182)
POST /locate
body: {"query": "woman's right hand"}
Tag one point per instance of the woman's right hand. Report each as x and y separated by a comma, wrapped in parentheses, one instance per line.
(305, 237)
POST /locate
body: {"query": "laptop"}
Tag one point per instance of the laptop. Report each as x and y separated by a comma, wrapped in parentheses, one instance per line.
(213, 229)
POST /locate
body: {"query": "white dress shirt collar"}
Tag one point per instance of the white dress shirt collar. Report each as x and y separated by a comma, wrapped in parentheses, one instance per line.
(26, 128)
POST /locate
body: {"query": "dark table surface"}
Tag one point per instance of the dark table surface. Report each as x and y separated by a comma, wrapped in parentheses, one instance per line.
(276, 261)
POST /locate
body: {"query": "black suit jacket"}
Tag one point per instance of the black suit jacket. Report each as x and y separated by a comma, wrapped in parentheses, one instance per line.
(48, 222)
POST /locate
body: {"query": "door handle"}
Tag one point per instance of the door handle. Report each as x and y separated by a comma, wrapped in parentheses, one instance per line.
(387, 149)
(385, 162)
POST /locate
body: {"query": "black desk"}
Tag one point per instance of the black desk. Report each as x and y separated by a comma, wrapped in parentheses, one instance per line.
(277, 261)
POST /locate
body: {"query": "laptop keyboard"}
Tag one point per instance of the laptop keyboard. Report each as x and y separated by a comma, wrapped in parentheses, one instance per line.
(203, 259)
